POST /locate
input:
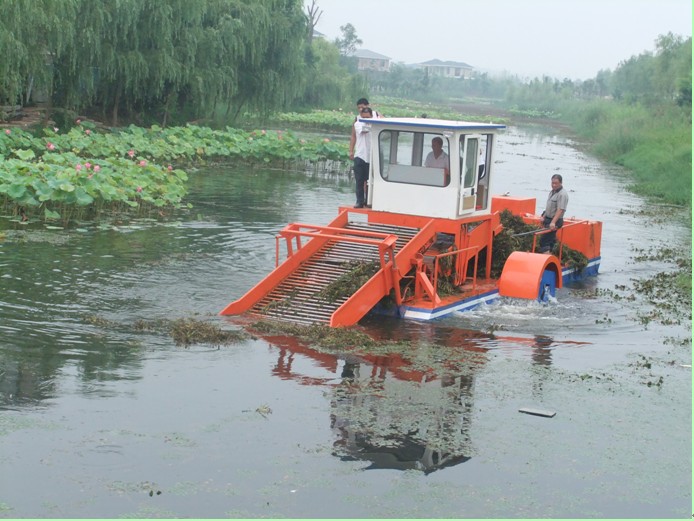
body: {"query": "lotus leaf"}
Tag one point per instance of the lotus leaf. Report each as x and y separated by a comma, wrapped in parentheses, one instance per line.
(17, 191)
(25, 154)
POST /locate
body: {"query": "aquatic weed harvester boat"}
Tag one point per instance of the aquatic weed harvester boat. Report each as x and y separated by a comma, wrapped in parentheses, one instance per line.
(427, 242)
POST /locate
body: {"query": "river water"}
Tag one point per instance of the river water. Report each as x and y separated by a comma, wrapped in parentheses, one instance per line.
(102, 418)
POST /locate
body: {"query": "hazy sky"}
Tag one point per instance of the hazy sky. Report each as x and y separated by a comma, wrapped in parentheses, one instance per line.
(560, 38)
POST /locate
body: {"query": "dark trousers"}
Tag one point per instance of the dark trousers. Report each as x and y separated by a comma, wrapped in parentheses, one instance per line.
(547, 240)
(361, 175)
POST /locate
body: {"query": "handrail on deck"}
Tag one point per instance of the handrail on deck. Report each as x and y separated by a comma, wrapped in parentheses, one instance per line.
(385, 242)
(560, 237)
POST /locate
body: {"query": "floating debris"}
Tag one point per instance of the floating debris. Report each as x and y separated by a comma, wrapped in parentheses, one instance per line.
(187, 331)
(537, 412)
(323, 335)
(264, 410)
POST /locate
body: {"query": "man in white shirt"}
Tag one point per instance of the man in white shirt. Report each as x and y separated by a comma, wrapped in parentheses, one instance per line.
(362, 103)
(362, 155)
(437, 158)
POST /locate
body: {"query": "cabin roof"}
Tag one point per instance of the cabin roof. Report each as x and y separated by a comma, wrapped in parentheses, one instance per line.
(434, 123)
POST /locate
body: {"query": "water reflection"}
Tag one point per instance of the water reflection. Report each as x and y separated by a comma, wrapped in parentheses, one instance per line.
(541, 350)
(401, 410)
(416, 433)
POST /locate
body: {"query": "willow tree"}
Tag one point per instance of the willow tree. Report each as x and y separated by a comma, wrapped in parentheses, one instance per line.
(131, 56)
(197, 55)
(271, 70)
(33, 33)
(146, 59)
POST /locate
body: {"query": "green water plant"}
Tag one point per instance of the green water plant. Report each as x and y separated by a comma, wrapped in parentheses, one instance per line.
(87, 171)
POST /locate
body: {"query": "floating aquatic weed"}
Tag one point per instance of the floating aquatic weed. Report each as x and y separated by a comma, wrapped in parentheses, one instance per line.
(421, 356)
(187, 331)
(264, 410)
(678, 341)
(160, 325)
(96, 320)
(323, 335)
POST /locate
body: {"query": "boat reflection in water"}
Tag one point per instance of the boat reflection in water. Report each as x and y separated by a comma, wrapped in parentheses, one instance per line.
(427, 430)
(406, 410)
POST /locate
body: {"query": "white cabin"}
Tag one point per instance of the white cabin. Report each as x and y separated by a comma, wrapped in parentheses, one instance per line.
(400, 182)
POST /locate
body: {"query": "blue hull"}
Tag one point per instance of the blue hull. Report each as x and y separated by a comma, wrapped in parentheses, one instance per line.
(467, 304)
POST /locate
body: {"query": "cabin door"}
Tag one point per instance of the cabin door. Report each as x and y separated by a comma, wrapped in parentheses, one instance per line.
(469, 156)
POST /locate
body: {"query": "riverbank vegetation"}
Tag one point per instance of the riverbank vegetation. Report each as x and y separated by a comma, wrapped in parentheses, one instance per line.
(86, 172)
(247, 64)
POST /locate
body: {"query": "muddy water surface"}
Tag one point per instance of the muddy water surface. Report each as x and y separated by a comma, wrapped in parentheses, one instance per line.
(101, 419)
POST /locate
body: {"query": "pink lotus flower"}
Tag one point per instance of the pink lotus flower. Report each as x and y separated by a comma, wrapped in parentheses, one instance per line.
(79, 121)
(131, 153)
(8, 131)
(87, 131)
(87, 166)
(50, 146)
(78, 167)
(169, 168)
(143, 163)
(96, 168)
(139, 189)
(326, 140)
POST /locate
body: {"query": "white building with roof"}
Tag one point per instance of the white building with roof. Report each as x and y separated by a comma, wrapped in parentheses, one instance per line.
(371, 61)
(447, 69)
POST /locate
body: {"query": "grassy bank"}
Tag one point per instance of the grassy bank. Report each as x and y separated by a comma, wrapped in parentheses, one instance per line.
(654, 144)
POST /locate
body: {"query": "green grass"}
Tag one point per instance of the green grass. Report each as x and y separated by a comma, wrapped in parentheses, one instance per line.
(654, 144)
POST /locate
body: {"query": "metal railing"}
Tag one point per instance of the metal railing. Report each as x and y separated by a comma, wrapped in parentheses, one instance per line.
(385, 242)
(559, 232)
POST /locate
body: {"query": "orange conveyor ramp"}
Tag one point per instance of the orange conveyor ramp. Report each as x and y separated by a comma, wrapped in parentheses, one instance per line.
(317, 257)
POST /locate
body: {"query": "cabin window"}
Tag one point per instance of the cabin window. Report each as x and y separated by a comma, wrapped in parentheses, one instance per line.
(403, 158)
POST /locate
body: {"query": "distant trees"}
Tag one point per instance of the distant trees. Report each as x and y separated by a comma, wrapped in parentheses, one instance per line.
(665, 75)
(331, 83)
(638, 116)
(651, 78)
(349, 40)
(180, 60)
